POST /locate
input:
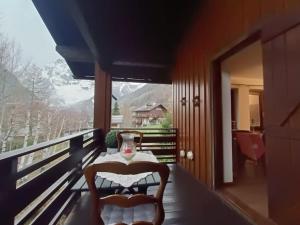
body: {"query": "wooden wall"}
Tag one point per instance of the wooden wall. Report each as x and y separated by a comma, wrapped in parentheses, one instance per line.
(218, 26)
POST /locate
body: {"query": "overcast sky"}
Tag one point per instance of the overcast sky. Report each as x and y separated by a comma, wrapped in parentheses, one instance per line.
(20, 21)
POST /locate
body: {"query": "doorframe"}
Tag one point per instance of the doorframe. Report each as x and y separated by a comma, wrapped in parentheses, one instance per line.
(217, 104)
(259, 93)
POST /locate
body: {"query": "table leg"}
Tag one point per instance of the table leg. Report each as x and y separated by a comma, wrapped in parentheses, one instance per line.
(143, 190)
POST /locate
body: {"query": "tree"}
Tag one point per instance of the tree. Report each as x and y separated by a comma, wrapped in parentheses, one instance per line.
(9, 64)
(167, 121)
(116, 109)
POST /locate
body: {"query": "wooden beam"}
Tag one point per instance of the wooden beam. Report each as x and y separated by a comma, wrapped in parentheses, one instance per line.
(75, 54)
(102, 99)
(146, 80)
(159, 75)
(139, 64)
(85, 29)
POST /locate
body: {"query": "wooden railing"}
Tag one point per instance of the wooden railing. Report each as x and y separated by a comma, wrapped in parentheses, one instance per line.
(162, 142)
(40, 193)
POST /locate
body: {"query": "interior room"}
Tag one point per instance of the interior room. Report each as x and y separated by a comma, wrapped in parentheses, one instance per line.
(243, 129)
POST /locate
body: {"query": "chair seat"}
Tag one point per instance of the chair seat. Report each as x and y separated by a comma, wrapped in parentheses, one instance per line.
(113, 214)
(81, 213)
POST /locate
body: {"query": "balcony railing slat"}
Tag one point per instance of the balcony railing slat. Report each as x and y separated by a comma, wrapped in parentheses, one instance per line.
(162, 151)
(25, 171)
(162, 142)
(37, 147)
(35, 187)
(159, 133)
(90, 158)
(49, 212)
(158, 139)
(45, 197)
(88, 139)
(62, 209)
(162, 145)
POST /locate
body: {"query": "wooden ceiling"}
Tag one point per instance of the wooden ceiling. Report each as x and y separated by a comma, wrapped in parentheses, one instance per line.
(133, 40)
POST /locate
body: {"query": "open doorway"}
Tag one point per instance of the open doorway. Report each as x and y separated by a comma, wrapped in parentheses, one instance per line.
(240, 158)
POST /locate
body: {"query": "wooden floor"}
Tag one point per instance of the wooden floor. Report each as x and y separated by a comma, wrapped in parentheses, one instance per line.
(249, 192)
(186, 202)
(251, 188)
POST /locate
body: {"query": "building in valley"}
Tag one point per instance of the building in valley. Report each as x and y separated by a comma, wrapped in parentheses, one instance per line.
(149, 114)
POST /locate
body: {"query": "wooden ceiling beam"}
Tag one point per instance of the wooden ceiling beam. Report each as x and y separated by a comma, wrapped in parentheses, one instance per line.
(152, 78)
(75, 54)
(139, 64)
(139, 71)
(147, 80)
(156, 80)
(85, 29)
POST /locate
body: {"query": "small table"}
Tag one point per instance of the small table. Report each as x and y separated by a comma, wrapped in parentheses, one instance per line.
(106, 186)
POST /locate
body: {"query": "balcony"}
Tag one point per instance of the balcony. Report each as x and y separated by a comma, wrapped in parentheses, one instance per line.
(41, 192)
(183, 43)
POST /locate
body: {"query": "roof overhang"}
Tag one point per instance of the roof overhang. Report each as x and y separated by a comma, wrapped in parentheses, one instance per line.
(132, 40)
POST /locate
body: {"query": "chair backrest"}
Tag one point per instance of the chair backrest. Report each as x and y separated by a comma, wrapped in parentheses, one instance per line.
(136, 133)
(251, 144)
(133, 200)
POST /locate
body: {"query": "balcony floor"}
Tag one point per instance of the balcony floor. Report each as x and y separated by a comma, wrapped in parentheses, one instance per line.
(186, 202)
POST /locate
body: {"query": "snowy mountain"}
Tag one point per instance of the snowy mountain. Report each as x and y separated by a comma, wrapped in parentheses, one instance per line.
(69, 91)
(66, 89)
(63, 90)
(121, 89)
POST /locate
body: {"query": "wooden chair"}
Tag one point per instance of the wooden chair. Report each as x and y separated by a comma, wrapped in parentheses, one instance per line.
(251, 145)
(136, 133)
(132, 201)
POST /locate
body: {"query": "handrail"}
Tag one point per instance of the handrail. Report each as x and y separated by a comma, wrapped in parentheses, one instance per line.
(24, 151)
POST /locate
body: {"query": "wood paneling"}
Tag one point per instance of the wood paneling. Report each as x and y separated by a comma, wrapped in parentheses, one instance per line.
(197, 126)
(191, 120)
(218, 26)
(204, 171)
(184, 119)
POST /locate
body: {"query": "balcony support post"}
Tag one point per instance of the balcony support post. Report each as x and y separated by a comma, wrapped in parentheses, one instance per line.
(76, 147)
(102, 99)
(8, 170)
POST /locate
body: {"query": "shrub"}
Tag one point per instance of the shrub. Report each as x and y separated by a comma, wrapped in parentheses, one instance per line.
(111, 139)
(167, 121)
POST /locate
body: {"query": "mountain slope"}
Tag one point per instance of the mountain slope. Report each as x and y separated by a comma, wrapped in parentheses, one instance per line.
(11, 90)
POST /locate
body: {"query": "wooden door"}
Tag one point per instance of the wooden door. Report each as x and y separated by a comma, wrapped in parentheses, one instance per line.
(281, 55)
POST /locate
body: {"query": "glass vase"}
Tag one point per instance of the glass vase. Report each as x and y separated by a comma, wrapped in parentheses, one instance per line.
(128, 147)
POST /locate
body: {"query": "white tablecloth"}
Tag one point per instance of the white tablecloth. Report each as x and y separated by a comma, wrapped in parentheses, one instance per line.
(124, 180)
